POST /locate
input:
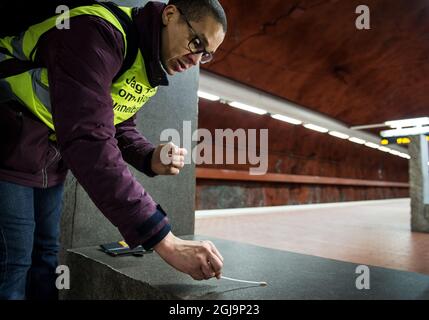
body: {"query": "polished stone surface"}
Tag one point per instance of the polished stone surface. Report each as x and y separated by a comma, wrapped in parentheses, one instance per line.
(95, 275)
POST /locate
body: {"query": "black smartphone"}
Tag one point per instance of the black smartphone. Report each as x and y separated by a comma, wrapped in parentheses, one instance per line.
(121, 248)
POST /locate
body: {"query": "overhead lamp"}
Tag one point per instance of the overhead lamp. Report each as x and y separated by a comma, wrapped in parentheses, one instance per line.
(339, 135)
(394, 152)
(384, 149)
(403, 141)
(408, 122)
(372, 145)
(208, 96)
(404, 132)
(405, 156)
(246, 107)
(357, 140)
(316, 128)
(286, 119)
(384, 142)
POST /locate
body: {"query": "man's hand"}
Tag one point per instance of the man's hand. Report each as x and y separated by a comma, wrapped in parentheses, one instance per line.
(200, 259)
(168, 159)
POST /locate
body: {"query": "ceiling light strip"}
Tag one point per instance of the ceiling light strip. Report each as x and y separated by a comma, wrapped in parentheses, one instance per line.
(229, 90)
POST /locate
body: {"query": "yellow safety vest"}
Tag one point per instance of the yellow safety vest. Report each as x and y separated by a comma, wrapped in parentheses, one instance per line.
(129, 92)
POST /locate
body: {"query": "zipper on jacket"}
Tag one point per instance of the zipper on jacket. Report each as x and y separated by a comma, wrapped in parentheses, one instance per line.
(45, 169)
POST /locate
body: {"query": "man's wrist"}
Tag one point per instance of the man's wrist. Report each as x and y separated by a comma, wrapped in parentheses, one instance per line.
(166, 245)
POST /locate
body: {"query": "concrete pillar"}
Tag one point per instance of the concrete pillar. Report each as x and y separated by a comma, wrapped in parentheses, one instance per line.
(419, 184)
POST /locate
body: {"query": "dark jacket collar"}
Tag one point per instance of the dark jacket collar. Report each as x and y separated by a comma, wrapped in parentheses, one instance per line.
(149, 26)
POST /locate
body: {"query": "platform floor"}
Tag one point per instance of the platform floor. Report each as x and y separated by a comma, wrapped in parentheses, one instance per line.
(374, 233)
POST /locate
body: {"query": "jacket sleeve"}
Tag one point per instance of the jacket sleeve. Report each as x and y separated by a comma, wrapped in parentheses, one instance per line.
(81, 62)
(136, 149)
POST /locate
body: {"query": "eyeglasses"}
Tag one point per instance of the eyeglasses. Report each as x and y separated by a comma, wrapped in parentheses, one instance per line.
(196, 45)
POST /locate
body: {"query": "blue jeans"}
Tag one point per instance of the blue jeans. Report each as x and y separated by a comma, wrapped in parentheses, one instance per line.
(29, 241)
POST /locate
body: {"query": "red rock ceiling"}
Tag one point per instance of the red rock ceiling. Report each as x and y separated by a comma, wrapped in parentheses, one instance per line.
(310, 52)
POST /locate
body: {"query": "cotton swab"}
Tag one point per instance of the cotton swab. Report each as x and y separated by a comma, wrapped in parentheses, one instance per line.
(263, 284)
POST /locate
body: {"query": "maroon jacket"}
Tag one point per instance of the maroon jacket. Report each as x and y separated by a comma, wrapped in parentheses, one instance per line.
(81, 63)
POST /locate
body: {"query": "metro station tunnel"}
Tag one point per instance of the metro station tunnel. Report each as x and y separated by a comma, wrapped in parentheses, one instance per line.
(214, 150)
